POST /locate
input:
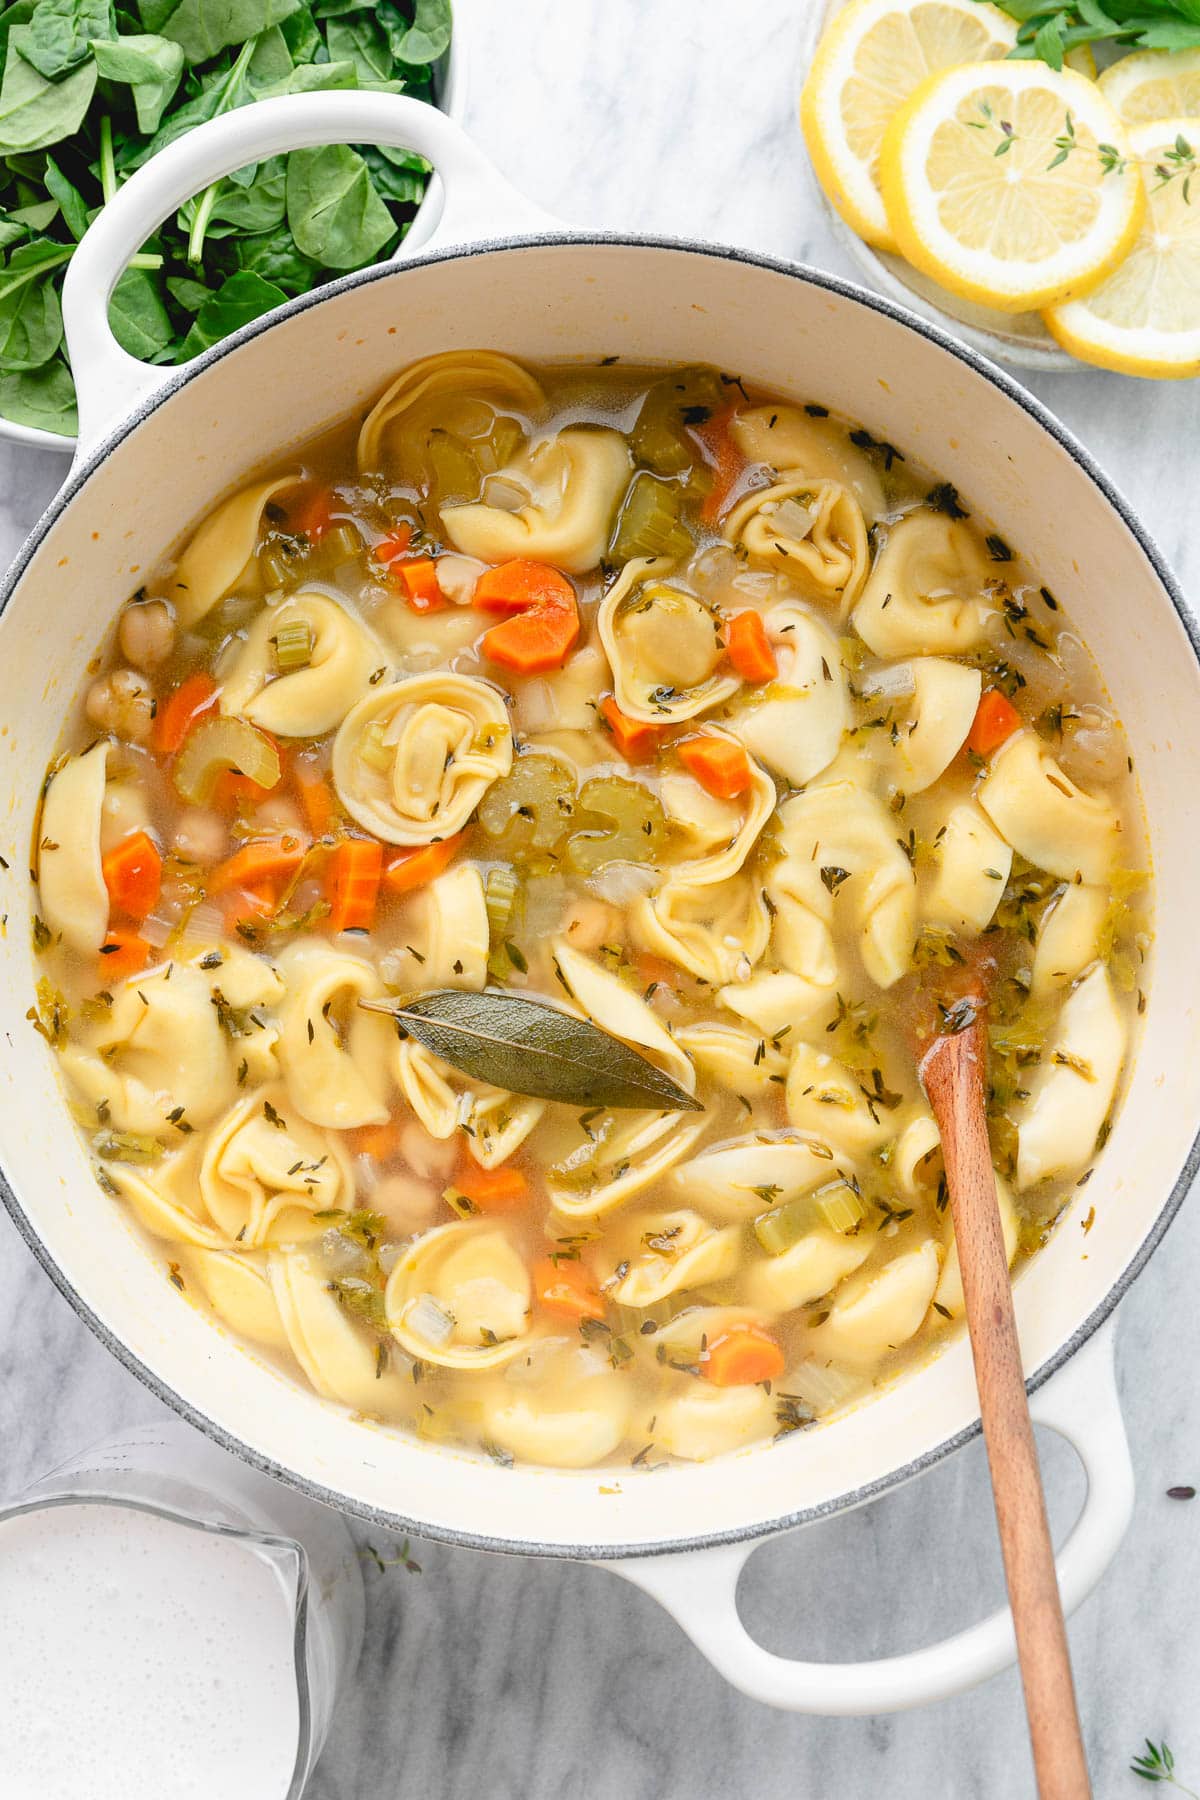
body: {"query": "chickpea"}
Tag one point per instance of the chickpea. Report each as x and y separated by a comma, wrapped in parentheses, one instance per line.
(280, 815)
(146, 633)
(432, 1158)
(406, 1203)
(200, 837)
(456, 576)
(589, 923)
(123, 703)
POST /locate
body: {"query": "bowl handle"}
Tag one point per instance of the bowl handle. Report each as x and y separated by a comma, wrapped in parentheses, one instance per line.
(477, 202)
(699, 1588)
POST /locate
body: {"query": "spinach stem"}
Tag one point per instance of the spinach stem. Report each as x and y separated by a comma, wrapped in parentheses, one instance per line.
(227, 103)
(108, 168)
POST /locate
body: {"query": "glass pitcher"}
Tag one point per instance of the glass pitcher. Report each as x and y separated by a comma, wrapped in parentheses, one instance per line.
(173, 1474)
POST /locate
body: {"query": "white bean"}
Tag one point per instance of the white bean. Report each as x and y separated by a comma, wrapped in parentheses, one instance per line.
(146, 633)
(406, 1203)
(427, 1156)
(589, 923)
(200, 837)
(123, 703)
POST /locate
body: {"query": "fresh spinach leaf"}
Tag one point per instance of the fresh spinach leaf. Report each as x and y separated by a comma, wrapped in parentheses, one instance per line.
(239, 299)
(404, 182)
(61, 32)
(42, 397)
(35, 112)
(428, 37)
(335, 214)
(188, 294)
(31, 326)
(70, 201)
(203, 28)
(358, 39)
(30, 262)
(150, 65)
(274, 256)
(139, 319)
(251, 207)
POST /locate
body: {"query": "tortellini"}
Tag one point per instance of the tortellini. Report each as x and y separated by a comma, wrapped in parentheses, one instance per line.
(877, 1310)
(809, 1268)
(785, 438)
(795, 725)
(452, 373)
(340, 1361)
(157, 1050)
(927, 593)
(611, 1005)
(715, 835)
(973, 865)
(1039, 810)
(74, 898)
(699, 1421)
(576, 1416)
(333, 1054)
(842, 850)
(776, 1000)
(237, 1285)
(444, 1101)
(303, 702)
(266, 1171)
(731, 1179)
(1072, 1090)
(813, 531)
(1068, 938)
(945, 698)
(620, 1155)
(663, 647)
(656, 1254)
(826, 1099)
(738, 1060)
(445, 935)
(218, 554)
(412, 761)
(460, 1297)
(568, 486)
(714, 932)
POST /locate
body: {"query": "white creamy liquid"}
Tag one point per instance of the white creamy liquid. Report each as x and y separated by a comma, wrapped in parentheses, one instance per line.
(141, 1660)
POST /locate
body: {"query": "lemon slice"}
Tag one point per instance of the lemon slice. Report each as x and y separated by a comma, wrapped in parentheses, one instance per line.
(1145, 318)
(870, 59)
(1154, 84)
(1008, 184)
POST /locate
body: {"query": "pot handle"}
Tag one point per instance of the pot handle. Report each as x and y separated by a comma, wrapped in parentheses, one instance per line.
(699, 1588)
(477, 202)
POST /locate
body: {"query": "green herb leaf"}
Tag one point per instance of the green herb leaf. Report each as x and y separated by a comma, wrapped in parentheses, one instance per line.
(61, 33)
(35, 112)
(42, 397)
(336, 217)
(202, 28)
(31, 325)
(238, 300)
(531, 1046)
(151, 66)
(428, 37)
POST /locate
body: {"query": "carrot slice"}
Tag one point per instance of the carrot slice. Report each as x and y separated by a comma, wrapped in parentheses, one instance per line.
(260, 861)
(381, 1142)
(132, 873)
(420, 583)
(123, 953)
(749, 648)
(491, 1190)
(315, 797)
(408, 870)
(249, 907)
(234, 792)
(996, 718)
(636, 741)
(544, 616)
(195, 696)
(742, 1356)
(566, 1288)
(393, 545)
(722, 768)
(724, 459)
(352, 884)
(313, 517)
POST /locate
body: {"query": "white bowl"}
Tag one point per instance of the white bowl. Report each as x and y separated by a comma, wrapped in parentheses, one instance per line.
(450, 85)
(1019, 339)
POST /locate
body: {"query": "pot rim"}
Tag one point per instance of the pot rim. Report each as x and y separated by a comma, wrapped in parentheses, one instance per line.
(847, 290)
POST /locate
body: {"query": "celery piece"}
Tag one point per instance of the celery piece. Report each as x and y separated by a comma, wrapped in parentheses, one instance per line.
(293, 645)
(649, 524)
(215, 745)
(784, 1225)
(499, 895)
(840, 1207)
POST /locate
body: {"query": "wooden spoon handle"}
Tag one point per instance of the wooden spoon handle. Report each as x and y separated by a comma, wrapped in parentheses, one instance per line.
(951, 1071)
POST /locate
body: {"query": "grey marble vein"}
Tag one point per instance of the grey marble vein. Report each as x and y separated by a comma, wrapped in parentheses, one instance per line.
(490, 1676)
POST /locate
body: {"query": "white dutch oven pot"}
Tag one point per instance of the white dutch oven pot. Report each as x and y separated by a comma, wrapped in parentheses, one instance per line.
(159, 447)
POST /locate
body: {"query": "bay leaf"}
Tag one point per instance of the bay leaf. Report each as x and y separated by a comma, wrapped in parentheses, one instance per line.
(531, 1046)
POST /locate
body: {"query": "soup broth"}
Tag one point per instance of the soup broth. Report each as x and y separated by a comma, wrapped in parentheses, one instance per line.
(688, 713)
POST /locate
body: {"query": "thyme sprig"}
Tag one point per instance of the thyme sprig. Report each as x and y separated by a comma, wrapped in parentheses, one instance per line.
(1180, 161)
(1158, 1764)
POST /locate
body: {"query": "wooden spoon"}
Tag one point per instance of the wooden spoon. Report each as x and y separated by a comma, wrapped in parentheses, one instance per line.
(952, 1070)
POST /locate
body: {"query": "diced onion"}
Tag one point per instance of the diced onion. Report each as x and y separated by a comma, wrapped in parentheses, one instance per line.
(891, 681)
(822, 1386)
(427, 1318)
(620, 883)
(792, 518)
(157, 929)
(203, 925)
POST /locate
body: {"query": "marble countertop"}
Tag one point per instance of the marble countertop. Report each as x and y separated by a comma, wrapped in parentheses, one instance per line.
(519, 1681)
